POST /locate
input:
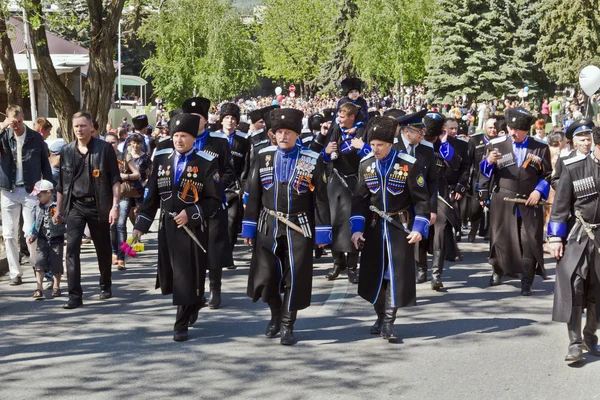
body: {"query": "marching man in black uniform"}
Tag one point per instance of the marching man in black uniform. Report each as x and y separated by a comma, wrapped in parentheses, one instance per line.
(287, 212)
(577, 248)
(477, 146)
(411, 141)
(215, 144)
(447, 161)
(186, 187)
(516, 176)
(391, 196)
(239, 145)
(343, 152)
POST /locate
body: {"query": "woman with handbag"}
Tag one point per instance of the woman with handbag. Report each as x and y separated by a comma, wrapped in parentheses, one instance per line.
(131, 190)
(144, 164)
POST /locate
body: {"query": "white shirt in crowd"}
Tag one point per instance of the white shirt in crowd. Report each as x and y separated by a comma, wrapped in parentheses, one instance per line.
(19, 176)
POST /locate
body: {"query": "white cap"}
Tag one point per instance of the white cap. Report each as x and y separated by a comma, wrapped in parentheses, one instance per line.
(42, 186)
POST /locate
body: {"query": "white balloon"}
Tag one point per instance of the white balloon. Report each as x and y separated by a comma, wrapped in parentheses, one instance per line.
(277, 90)
(589, 79)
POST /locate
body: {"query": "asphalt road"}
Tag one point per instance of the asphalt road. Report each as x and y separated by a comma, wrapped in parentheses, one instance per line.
(468, 342)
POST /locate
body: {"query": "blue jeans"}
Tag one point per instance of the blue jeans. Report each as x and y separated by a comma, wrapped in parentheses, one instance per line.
(118, 232)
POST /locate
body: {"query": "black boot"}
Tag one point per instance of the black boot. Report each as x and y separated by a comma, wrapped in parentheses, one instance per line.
(590, 340)
(352, 265)
(575, 340)
(275, 323)
(421, 260)
(379, 307)
(421, 273)
(339, 264)
(389, 317)
(287, 321)
(473, 231)
(215, 276)
(437, 267)
(527, 277)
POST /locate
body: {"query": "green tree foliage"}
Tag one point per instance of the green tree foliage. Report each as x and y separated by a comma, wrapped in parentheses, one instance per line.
(201, 46)
(486, 50)
(569, 38)
(451, 45)
(296, 38)
(390, 41)
(520, 67)
(339, 64)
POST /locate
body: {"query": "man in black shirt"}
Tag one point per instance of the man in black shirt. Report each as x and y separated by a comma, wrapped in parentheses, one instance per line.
(88, 192)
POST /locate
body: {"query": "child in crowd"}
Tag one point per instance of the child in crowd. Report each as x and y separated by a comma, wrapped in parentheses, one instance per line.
(50, 238)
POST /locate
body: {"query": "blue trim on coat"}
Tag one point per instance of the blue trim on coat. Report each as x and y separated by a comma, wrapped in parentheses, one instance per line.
(557, 229)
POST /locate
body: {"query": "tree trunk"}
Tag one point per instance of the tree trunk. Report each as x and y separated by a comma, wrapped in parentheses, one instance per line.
(7, 61)
(104, 25)
(61, 98)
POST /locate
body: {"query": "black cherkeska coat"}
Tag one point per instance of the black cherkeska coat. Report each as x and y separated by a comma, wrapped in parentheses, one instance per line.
(340, 197)
(577, 190)
(239, 143)
(401, 187)
(221, 254)
(181, 263)
(510, 180)
(304, 202)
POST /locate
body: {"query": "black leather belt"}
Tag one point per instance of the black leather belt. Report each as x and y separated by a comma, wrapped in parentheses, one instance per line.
(86, 200)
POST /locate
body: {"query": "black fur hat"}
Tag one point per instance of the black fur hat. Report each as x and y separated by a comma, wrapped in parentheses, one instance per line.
(500, 124)
(434, 122)
(287, 118)
(243, 127)
(196, 105)
(140, 122)
(174, 112)
(255, 116)
(329, 114)
(519, 118)
(230, 109)
(315, 121)
(183, 122)
(349, 84)
(394, 113)
(382, 128)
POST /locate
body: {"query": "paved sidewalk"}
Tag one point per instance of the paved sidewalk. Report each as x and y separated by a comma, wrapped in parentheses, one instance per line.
(469, 342)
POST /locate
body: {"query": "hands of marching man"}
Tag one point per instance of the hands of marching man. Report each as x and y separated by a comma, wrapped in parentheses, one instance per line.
(355, 238)
(534, 198)
(181, 219)
(557, 249)
(137, 235)
(414, 237)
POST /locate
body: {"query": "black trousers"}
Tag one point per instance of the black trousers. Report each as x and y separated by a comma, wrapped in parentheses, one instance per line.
(183, 316)
(80, 215)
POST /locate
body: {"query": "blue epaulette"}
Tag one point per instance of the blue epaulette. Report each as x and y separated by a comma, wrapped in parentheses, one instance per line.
(205, 155)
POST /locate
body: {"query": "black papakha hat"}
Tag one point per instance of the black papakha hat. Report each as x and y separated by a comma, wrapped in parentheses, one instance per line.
(382, 128)
(188, 123)
(196, 105)
(140, 122)
(256, 115)
(519, 118)
(315, 121)
(434, 122)
(230, 109)
(328, 114)
(349, 84)
(287, 118)
(394, 113)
